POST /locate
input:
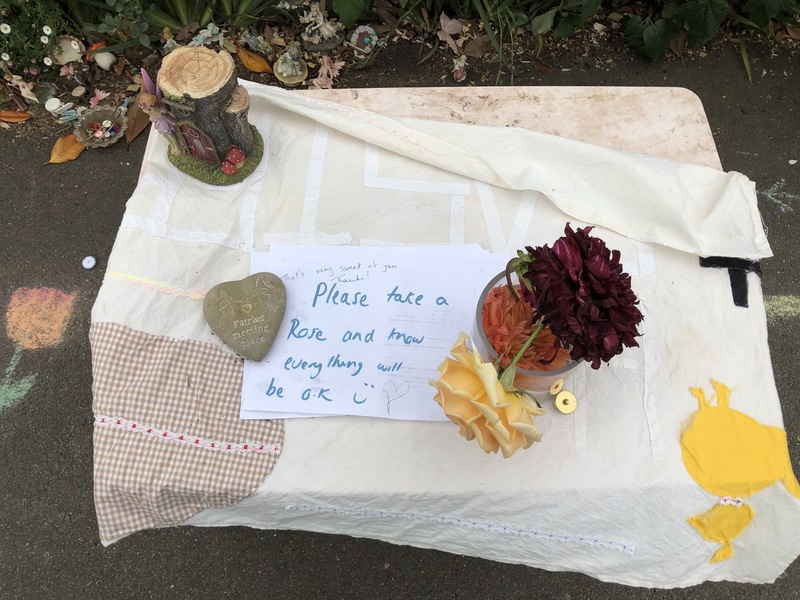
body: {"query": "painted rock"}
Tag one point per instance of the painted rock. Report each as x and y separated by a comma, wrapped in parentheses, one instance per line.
(247, 314)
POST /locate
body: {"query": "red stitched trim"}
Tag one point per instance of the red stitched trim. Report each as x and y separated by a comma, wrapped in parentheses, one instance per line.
(170, 436)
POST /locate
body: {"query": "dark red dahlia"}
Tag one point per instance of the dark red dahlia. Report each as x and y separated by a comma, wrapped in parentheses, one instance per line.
(578, 289)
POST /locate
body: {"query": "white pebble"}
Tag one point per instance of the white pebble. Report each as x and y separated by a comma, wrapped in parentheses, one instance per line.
(89, 262)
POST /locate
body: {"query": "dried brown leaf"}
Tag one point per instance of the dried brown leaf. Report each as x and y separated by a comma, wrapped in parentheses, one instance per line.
(66, 148)
(542, 67)
(120, 65)
(478, 47)
(187, 32)
(253, 62)
(138, 120)
(14, 116)
(794, 32)
(678, 44)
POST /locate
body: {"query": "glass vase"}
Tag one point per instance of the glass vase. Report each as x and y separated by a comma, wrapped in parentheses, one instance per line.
(525, 379)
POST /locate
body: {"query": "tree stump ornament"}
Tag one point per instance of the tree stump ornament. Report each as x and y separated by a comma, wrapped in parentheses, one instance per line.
(208, 109)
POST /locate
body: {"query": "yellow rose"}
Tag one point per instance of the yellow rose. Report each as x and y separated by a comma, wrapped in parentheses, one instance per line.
(474, 399)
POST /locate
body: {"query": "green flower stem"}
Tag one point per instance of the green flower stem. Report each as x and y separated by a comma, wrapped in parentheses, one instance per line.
(507, 376)
(510, 267)
(12, 391)
(13, 364)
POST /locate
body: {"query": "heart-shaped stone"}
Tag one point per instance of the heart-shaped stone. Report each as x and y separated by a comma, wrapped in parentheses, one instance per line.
(247, 314)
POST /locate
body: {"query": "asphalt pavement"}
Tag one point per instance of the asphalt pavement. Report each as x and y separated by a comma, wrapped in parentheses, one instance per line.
(53, 216)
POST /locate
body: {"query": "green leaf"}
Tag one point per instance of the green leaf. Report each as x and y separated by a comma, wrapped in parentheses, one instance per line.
(567, 25)
(745, 59)
(756, 11)
(634, 33)
(518, 19)
(487, 25)
(543, 23)
(590, 8)
(703, 18)
(431, 52)
(669, 10)
(161, 19)
(349, 10)
(144, 40)
(656, 40)
(762, 11)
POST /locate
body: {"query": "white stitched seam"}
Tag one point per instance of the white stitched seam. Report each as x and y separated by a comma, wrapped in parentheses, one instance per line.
(470, 524)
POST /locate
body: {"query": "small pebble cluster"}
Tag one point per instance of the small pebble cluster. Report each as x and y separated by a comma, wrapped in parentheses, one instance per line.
(104, 129)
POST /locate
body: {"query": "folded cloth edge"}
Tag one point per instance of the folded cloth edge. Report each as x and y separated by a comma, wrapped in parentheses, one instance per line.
(688, 207)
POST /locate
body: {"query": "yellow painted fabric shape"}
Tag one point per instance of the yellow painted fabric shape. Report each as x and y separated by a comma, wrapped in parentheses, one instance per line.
(731, 455)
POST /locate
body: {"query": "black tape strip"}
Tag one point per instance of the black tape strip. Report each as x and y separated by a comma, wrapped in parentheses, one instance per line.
(738, 268)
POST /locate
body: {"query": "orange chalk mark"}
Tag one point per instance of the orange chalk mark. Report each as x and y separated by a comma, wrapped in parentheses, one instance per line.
(38, 317)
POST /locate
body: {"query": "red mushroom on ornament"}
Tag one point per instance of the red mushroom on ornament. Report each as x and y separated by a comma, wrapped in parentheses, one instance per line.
(236, 156)
(228, 168)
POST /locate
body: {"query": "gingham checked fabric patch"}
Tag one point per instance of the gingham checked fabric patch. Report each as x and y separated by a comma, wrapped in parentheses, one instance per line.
(168, 441)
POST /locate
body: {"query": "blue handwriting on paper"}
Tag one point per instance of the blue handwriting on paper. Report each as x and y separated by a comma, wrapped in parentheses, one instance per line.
(331, 295)
(390, 368)
(363, 398)
(299, 363)
(379, 372)
(408, 298)
(300, 333)
(356, 336)
(404, 337)
(274, 390)
(336, 362)
(314, 392)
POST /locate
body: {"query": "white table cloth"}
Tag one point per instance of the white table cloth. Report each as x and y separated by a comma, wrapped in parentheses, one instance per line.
(606, 492)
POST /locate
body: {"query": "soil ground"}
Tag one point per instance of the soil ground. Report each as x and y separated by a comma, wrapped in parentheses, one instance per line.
(51, 216)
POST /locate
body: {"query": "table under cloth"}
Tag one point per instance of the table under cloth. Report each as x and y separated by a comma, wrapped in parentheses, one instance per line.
(606, 492)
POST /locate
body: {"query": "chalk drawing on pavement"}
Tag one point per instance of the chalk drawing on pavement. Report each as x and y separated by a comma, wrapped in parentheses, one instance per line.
(778, 196)
(35, 318)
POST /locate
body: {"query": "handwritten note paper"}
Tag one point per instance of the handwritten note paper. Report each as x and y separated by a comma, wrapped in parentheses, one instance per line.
(365, 328)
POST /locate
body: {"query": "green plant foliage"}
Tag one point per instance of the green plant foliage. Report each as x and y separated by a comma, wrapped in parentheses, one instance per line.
(761, 12)
(350, 10)
(562, 18)
(242, 13)
(177, 14)
(28, 35)
(82, 12)
(659, 23)
(125, 21)
(702, 18)
(648, 37)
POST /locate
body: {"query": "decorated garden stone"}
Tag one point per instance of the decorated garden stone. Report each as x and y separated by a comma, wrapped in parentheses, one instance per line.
(247, 314)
